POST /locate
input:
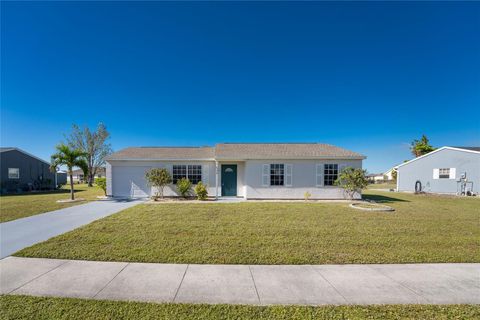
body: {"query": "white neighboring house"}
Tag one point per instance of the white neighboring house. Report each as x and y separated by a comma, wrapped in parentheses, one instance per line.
(246, 170)
(78, 176)
(388, 175)
(445, 170)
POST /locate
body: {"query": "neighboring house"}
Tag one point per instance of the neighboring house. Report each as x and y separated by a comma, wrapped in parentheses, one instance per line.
(375, 177)
(22, 171)
(61, 177)
(78, 176)
(445, 170)
(247, 170)
(387, 176)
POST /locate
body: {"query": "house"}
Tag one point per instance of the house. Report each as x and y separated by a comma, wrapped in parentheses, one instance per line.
(22, 171)
(451, 170)
(375, 177)
(388, 176)
(246, 170)
(78, 176)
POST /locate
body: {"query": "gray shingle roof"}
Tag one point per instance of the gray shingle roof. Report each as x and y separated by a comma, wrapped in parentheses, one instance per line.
(238, 151)
(167, 153)
(281, 151)
(469, 148)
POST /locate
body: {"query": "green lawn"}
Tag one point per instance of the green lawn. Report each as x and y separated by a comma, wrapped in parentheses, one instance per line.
(23, 205)
(23, 307)
(382, 186)
(422, 229)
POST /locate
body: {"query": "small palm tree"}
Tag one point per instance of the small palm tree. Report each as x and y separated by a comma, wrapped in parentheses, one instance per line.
(65, 156)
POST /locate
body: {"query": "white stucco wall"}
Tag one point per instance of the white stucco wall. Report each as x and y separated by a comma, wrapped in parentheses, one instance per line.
(118, 171)
(303, 180)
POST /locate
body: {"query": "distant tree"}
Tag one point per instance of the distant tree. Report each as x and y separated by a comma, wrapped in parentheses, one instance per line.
(421, 147)
(394, 174)
(66, 156)
(352, 180)
(158, 178)
(93, 144)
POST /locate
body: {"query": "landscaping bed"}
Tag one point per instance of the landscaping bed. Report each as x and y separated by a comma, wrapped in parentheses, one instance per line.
(422, 229)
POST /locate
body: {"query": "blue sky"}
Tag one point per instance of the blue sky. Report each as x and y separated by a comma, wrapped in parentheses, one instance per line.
(366, 76)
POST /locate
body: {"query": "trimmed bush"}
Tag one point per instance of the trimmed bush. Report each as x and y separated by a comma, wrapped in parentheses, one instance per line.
(102, 183)
(184, 187)
(201, 191)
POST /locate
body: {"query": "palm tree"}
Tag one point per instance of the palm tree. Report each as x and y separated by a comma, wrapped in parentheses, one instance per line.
(65, 156)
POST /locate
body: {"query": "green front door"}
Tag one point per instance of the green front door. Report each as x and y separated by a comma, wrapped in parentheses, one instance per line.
(229, 180)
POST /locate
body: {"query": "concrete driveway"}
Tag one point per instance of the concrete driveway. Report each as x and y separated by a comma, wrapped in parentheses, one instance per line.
(446, 283)
(21, 233)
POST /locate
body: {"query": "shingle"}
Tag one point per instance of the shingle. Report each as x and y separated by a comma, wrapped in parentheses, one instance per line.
(157, 153)
(240, 151)
(281, 151)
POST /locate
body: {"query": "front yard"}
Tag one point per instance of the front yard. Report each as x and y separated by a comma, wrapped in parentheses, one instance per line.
(422, 229)
(24, 205)
(22, 307)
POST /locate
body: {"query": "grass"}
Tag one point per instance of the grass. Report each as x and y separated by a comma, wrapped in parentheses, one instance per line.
(24, 307)
(422, 229)
(382, 186)
(24, 205)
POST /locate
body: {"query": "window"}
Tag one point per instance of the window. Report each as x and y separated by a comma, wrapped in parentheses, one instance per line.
(277, 174)
(444, 173)
(13, 173)
(330, 174)
(195, 173)
(192, 172)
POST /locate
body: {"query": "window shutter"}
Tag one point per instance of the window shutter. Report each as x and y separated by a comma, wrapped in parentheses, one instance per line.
(288, 175)
(266, 175)
(436, 173)
(205, 173)
(319, 175)
(453, 173)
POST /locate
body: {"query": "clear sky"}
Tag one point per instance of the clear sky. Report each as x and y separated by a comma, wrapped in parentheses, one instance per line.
(368, 76)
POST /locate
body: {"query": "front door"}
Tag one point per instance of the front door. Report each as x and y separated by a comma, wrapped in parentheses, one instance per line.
(229, 180)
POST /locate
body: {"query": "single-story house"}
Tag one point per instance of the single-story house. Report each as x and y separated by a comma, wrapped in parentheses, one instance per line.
(450, 170)
(21, 171)
(375, 177)
(388, 176)
(78, 176)
(246, 170)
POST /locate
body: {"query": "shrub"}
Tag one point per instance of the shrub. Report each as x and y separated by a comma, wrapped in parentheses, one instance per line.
(352, 181)
(201, 191)
(184, 187)
(307, 195)
(158, 178)
(102, 183)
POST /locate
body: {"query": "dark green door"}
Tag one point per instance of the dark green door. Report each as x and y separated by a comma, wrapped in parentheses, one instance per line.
(229, 180)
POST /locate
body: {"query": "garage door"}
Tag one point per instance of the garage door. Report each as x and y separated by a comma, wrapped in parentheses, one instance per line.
(129, 182)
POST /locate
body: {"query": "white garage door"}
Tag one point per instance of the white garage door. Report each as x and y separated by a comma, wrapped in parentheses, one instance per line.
(129, 182)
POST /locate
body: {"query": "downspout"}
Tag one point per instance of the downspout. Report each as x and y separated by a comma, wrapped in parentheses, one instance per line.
(216, 179)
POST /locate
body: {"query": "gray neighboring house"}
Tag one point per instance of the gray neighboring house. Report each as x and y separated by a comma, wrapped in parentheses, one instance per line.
(445, 170)
(22, 171)
(245, 170)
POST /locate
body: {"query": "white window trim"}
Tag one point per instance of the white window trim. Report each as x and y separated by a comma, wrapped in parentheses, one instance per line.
(287, 174)
(17, 175)
(319, 175)
(186, 170)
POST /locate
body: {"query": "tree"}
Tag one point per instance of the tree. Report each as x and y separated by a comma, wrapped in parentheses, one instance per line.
(158, 178)
(394, 174)
(421, 147)
(352, 180)
(66, 156)
(93, 144)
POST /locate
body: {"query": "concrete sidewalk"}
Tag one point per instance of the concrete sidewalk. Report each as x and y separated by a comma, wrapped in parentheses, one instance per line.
(244, 284)
(21, 233)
